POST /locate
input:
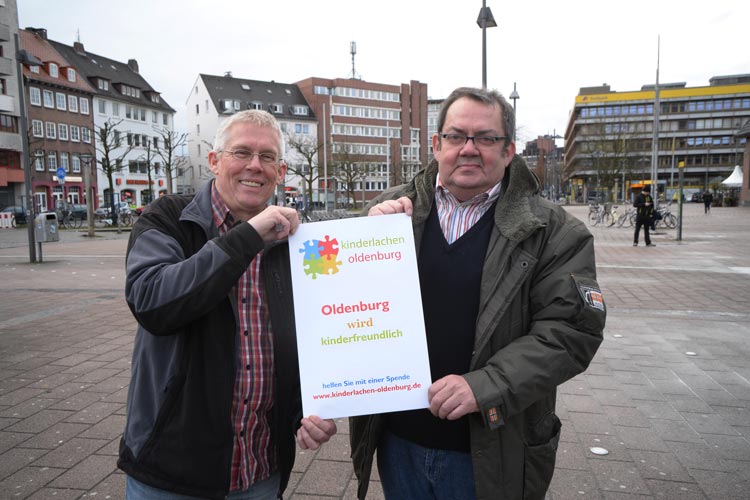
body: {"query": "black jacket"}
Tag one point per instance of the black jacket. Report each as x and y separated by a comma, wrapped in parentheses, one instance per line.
(180, 279)
(644, 213)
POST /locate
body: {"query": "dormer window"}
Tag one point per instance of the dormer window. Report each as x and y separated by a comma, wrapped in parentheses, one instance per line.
(300, 110)
(255, 105)
(245, 86)
(276, 108)
(71, 74)
(102, 84)
(34, 69)
(53, 70)
(154, 97)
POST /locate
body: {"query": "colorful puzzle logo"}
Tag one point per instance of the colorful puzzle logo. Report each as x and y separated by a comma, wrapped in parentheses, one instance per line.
(320, 257)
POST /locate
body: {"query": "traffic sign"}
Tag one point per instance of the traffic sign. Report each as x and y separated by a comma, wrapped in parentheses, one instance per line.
(61, 175)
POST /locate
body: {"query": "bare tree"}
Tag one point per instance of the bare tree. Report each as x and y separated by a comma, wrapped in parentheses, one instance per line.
(111, 153)
(349, 168)
(309, 170)
(149, 156)
(167, 148)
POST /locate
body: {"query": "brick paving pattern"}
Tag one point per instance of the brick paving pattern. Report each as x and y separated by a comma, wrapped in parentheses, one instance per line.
(668, 394)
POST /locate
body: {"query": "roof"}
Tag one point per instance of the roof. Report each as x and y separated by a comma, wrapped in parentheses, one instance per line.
(94, 66)
(42, 50)
(252, 91)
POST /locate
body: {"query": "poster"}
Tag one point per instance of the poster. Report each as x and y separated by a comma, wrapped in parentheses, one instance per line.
(358, 310)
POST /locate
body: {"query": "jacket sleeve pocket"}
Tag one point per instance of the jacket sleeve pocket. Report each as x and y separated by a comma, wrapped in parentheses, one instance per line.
(539, 456)
(592, 312)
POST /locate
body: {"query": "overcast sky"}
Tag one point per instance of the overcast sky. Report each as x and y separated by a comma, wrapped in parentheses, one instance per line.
(549, 48)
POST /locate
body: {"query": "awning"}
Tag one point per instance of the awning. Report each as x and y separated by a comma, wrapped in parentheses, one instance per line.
(734, 180)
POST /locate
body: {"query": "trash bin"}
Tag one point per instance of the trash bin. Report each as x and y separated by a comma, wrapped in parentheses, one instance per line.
(45, 227)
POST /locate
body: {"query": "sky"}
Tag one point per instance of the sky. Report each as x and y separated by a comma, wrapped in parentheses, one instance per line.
(549, 49)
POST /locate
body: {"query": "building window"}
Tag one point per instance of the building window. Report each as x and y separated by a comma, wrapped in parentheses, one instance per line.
(52, 161)
(49, 99)
(76, 162)
(102, 84)
(71, 75)
(64, 163)
(198, 129)
(61, 101)
(154, 116)
(75, 132)
(39, 160)
(115, 108)
(156, 142)
(206, 105)
(276, 108)
(53, 70)
(9, 124)
(35, 96)
(84, 107)
(128, 111)
(73, 103)
(34, 69)
(62, 131)
(165, 118)
(143, 115)
(51, 130)
(154, 98)
(86, 135)
(37, 128)
(102, 107)
(300, 110)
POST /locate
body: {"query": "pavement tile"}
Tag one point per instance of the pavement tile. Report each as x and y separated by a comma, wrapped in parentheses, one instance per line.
(18, 396)
(78, 401)
(40, 421)
(336, 449)
(111, 487)
(27, 481)
(675, 430)
(567, 484)
(636, 438)
(56, 494)
(17, 458)
(621, 477)
(580, 403)
(612, 398)
(722, 485)
(9, 440)
(70, 452)
(708, 423)
(87, 473)
(95, 413)
(54, 436)
(326, 477)
(670, 490)
(591, 423)
(733, 415)
(660, 465)
(730, 447)
(27, 408)
(109, 428)
(626, 417)
(698, 456)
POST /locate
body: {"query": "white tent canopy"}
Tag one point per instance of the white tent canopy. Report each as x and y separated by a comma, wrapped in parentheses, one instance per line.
(734, 180)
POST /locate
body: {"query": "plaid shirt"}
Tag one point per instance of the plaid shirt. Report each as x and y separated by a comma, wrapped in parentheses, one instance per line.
(458, 217)
(253, 455)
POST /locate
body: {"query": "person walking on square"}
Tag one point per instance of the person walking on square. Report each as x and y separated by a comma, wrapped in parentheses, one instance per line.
(708, 198)
(214, 401)
(644, 204)
(512, 309)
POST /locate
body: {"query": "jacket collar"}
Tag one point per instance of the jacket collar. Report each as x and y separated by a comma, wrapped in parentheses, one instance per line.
(199, 210)
(514, 217)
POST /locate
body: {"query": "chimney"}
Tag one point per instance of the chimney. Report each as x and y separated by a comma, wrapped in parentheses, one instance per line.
(78, 47)
(133, 65)
(40, 32)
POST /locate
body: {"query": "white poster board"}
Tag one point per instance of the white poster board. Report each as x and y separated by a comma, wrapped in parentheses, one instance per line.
(358, 310)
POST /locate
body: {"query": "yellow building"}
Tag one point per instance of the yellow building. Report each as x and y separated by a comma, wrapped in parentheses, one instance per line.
(610, 137)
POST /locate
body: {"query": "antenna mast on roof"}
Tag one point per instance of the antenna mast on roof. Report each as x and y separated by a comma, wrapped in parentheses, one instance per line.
(78, 35)
(353, 51)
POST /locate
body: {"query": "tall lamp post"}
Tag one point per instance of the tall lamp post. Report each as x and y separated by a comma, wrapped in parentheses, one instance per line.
(485, 20)
(23, 57)
(514, 97)
(86, 160)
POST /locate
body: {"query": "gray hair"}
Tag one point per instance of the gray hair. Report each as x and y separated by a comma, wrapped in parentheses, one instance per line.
(254, 116)
(485, 96)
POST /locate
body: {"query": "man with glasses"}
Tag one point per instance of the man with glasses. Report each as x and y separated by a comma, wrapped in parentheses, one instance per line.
(214, 399)
(512, 309)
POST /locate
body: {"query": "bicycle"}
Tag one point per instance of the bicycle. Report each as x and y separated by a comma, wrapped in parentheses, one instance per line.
(599, 214)
(667, 219)
(627, 217)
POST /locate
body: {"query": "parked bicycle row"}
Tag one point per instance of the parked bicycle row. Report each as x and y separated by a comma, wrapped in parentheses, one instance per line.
(609, 215)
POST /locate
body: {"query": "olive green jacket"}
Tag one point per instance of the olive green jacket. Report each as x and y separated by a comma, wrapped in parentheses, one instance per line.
(540, 323)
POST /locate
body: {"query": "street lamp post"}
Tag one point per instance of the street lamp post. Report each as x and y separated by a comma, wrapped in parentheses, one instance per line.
(514, 97)
(86, 160)
(485, 20)
(23, 57)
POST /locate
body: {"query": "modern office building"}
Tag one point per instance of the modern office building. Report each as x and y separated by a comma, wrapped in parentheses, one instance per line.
(135, 117)
(61, 125)
(213, 98)
(610, 137)
(546, 160)
(11, 170)
(375, 134)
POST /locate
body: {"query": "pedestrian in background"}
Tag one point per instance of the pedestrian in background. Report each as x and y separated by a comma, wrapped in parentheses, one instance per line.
(512, 309)
(214, 400)
(708, 198)
(644, 205)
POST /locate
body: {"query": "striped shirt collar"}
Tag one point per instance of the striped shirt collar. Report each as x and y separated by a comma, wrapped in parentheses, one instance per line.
(457, 217)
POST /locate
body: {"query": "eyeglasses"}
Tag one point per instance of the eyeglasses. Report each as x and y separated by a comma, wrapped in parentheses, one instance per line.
(480, 141)
(245, 155)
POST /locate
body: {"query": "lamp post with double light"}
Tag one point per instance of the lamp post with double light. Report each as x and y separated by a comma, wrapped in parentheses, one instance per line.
(485, 20)
(23, 57)
(514, 97)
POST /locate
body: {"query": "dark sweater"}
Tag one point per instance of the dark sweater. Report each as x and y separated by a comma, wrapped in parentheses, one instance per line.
(450, 278)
